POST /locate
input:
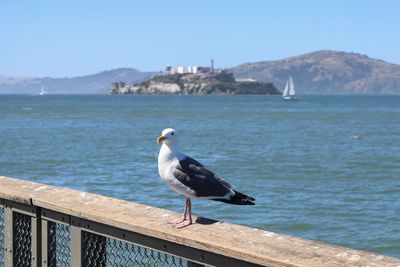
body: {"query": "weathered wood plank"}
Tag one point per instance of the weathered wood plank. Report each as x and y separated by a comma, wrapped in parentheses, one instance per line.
(248, 244)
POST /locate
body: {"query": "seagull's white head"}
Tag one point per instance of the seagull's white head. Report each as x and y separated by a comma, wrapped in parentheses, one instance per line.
(168, 136)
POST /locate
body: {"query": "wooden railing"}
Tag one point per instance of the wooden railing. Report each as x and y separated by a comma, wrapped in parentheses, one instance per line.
(43, 225)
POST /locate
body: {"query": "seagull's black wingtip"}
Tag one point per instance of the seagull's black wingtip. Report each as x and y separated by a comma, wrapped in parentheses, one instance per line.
(239, 199)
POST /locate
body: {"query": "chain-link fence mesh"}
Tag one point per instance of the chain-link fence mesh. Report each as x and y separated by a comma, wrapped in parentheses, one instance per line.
(22, 239)
(102, 251)
(93, 250)
(120, 253)
(59, 245)
(1, 236)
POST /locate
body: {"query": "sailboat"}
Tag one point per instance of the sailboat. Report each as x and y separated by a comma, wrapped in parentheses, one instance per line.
(43, 91)
(289, 93)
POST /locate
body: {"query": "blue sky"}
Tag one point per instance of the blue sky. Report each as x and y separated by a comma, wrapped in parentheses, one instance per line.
(70, 38)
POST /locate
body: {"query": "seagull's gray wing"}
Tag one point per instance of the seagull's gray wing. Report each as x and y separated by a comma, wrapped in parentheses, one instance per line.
(201, 180)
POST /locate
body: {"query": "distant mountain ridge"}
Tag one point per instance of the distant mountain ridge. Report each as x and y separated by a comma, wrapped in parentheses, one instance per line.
(327, 72)
(89, 84)
(320, 72)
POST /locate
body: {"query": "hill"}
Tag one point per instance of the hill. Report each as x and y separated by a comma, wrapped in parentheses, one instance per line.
(89, 84)
(327, 72)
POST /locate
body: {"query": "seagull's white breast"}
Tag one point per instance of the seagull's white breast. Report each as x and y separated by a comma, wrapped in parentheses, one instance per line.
(168, 161)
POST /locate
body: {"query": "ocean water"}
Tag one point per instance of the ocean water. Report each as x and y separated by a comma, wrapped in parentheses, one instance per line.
(325, 168)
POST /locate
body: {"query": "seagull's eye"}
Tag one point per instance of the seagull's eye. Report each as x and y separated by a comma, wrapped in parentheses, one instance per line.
(172, 133)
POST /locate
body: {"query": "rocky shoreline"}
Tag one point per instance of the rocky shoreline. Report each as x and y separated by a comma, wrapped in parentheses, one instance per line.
(201, 84)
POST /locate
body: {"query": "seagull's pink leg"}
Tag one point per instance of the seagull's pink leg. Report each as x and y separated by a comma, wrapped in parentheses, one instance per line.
(181, 218)
(188, 207)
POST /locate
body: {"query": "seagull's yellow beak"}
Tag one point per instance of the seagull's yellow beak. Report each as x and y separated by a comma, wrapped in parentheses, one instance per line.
(160, 139)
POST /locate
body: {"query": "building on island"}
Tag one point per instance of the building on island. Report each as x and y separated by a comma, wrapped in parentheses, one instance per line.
(182, 70)
(191, 69)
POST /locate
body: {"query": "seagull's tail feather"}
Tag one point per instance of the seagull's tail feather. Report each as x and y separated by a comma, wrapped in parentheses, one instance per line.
(238, 199)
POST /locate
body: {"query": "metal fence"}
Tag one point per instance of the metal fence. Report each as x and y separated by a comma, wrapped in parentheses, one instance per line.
(34, 236)
(42, 225)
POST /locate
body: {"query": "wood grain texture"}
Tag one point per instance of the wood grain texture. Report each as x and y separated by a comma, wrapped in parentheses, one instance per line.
(236, 241)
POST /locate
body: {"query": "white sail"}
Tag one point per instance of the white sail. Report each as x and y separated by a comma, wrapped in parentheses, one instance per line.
(289, 93)
(291, 87)
(43, 91)
(286, 91)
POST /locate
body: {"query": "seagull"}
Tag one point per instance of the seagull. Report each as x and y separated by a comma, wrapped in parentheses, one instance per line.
(190, 178)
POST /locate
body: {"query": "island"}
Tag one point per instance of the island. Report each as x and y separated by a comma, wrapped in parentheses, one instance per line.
(198, 82)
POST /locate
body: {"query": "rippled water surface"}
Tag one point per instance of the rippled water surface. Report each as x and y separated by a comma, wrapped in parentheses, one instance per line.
(325, 168)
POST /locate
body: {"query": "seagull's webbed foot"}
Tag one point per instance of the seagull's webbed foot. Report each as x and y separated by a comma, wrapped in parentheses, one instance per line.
(183, 224)
(177, 220)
